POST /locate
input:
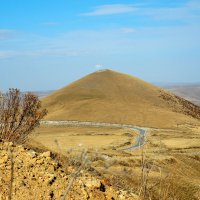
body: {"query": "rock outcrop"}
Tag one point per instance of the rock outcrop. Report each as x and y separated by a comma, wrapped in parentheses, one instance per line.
(38, 176)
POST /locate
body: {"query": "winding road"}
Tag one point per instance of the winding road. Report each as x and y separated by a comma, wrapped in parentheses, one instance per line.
(140, 141)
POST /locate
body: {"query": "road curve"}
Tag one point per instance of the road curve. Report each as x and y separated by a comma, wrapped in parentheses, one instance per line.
(140, 141)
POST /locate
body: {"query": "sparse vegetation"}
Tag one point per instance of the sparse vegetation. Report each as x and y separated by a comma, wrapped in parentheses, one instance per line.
(19, 115)
(166, 167)
(114, 97)
(83, 160)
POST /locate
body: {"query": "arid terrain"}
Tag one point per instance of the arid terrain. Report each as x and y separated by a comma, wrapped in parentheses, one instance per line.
(166, 167)
(40, 175)
(172, 157)
(191, 92)
(100, 100)
(111, 111)
(113, 97)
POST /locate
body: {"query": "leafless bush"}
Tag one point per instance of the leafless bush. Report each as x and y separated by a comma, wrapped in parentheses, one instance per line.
(19, 115)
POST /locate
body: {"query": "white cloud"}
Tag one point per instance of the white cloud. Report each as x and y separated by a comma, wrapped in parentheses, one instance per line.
(184, 12)
(98, 66)
(111, 9)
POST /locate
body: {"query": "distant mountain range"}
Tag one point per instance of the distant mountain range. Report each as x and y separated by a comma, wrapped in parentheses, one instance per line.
(42, 94)
(190, 92)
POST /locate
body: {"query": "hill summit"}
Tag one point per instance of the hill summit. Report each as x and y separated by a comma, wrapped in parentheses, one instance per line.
(113, 97)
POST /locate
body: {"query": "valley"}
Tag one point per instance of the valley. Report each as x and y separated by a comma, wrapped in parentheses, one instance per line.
(173, 155)
(160, 146)
(100, 100)
(134, 140)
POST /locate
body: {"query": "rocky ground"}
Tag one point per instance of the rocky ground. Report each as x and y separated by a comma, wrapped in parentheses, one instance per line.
(39, 176)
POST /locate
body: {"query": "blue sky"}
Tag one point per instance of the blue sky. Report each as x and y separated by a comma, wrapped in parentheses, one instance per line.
(46, 44)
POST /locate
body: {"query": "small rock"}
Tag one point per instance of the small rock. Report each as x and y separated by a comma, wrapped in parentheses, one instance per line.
(46, 154)
(33, 161)
(93, 183)
(51, 169)
(3, 159)
(122, 197)
(32, 153)
(85, 194)
(40, 161)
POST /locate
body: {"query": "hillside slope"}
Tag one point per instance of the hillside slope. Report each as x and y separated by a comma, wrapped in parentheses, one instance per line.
(39, 176)
(189, 92)
(109, 96)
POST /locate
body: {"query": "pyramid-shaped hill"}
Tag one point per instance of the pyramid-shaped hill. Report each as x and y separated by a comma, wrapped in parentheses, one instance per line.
(113, 97)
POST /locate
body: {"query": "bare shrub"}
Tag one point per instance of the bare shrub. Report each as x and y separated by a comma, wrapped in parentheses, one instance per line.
(19, 115)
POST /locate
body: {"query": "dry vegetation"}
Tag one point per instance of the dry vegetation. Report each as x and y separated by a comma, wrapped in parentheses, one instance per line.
(190, 92)
(83, 137)
(166, 168)
(159, 171)
(20, 114)
(114, 97)
(32, 175)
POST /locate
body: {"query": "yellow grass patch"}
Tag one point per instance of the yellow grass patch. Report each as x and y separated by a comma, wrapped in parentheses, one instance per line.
(69, 137)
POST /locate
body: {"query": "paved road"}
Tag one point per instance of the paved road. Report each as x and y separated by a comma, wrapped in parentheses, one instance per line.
(140, 141)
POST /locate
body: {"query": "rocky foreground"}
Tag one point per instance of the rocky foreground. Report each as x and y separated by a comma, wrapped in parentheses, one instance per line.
(39, 176)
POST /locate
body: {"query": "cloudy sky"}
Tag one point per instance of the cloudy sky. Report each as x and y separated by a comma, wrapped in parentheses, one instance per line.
(46, 44)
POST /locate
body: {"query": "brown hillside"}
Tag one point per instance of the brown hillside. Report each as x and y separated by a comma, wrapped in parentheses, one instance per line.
(109, 96)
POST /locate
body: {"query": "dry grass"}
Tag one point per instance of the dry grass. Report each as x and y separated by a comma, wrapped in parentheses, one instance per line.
(190, 92)
(83, 137)
(158, 172)
(116, 98)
